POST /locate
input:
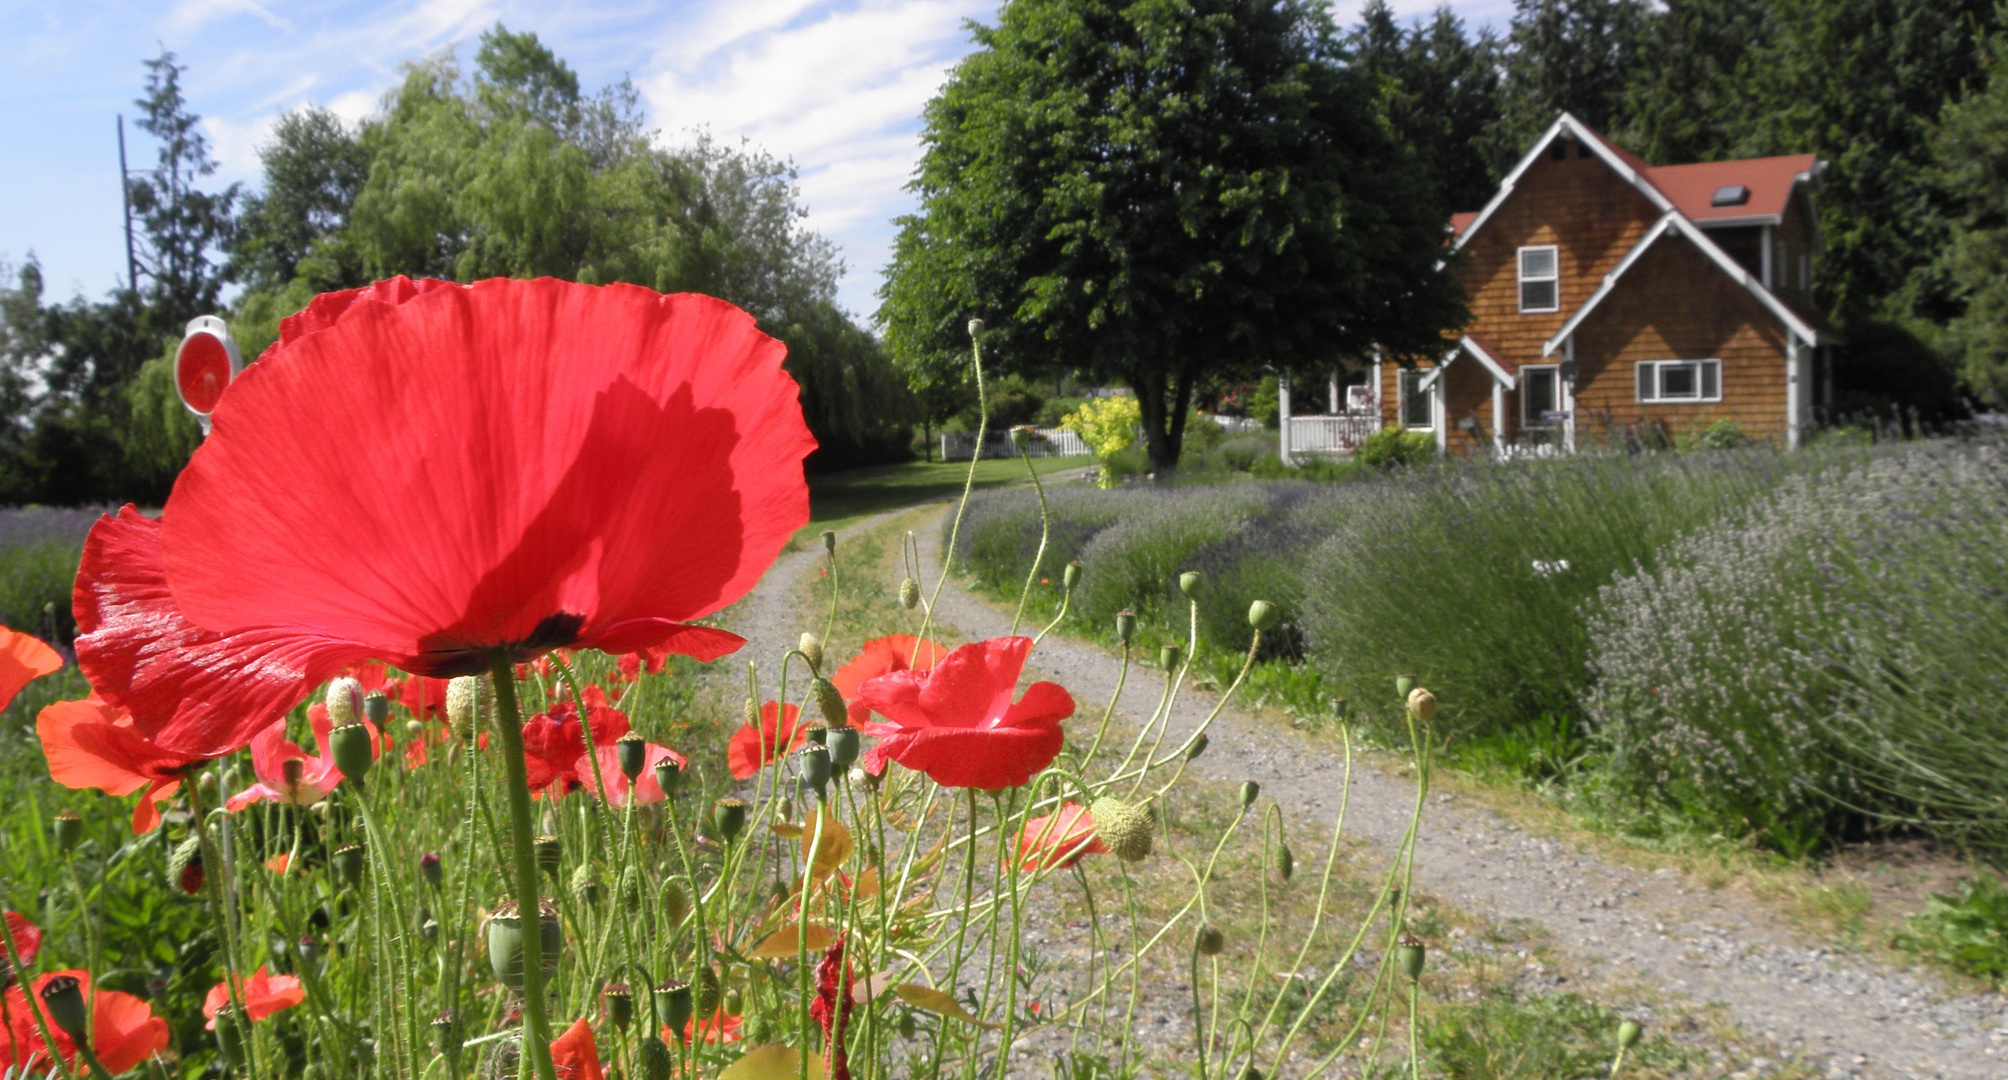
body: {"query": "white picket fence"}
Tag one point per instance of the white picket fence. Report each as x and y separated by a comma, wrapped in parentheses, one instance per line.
(1046, 442)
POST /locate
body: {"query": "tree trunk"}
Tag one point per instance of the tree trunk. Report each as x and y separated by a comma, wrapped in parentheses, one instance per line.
(1163, 423)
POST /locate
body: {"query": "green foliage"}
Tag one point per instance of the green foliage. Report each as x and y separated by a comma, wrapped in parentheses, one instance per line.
(1505, 1035)
(1972, 158)
(1391, 447)
(160, 432)
(1967, 932)
(1721, 434)
(1442, 97)
(1574, 56)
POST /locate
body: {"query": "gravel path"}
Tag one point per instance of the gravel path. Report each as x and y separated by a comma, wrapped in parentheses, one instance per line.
(1852, 1017)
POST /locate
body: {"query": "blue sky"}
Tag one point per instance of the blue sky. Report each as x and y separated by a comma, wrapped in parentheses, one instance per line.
(835, 85)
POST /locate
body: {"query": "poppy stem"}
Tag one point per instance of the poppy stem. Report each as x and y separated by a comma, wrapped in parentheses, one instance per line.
(536, 1049)
(1045, 532)
(40, 1012)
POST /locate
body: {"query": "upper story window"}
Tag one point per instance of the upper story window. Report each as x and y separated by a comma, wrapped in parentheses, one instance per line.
(1540, 287)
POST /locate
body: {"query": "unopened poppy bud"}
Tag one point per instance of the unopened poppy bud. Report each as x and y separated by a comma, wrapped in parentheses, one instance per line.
(1188, 583)
(1169, 656)
(829, 542)
(1286, 863)
(229, 1037)
(68, 829)
(1126, 829)
(864, 779)
(813, 762)
(1209, 940)
(1070, 576)
(1410, 954)
(843, 747)
(1250, 1072)
(344, 701)
(733, 1002)
(728, 818)
(376, 708)
(812, 647)
(446, 1031)
(1263, 616)
(206, 783)
(707, 990)
(463, 705)
(413, 729)
(1198, 747)
(184, 866)
(1422, 704)
(586, 884)
(550, 854)
(975, 329)
(830, 701)
(1125, 625)
(749, 712)
(673, 1004)
(1338, 706)
(428, 927)
(655, 1060)
(907, 1027)
(632, 752)
(1021, 437)
(348, 864)
(667, 773)
(1628, 1035)
(64, 995)
(1249, 791)
(430, 869)
(1402, 685)
(620, 1004)
(309, 949)
(349, 745)
(909, 593)
(675, 903)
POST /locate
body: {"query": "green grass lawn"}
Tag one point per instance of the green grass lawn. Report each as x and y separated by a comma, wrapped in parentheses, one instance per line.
(842, 498)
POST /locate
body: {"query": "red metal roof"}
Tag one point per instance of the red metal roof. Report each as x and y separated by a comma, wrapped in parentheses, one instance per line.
(1459, 221)
(1770, 180)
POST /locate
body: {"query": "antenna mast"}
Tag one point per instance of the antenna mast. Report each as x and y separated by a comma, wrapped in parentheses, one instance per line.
(125, 201)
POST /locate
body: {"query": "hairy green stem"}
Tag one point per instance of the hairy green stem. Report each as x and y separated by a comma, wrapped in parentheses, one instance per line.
(536, 1042)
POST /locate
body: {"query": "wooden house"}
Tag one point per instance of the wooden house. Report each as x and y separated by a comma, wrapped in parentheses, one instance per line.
(1608, 295)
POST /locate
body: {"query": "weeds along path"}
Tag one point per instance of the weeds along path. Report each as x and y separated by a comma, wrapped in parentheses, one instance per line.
(1655, 931)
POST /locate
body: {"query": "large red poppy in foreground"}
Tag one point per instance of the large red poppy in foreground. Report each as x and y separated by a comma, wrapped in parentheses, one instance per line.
(958, 724)
(124, 1030)
(882, 656)
(597, 466)
(91, 744)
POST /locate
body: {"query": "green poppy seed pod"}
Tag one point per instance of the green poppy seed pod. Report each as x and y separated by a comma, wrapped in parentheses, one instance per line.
(1070, 576)
(1411, 953)
(229, 1037)
(1189, 583)
(975, 329)
(1422, 704)
(431, 870)
(675, 903)
(673, 1004)
(728, 818)
(1169, 656)
(1124, 828)
(830, 701)
(586, 884)
(184, 866)
(349, 745)
(463, 705)
(843, 746)
(446, 1031)
(1209, 941)
(348, 864)
(376, 708)
(620, 1004)
(667, 773)
(550, 854)
(812, 647)
(909, 593)
(1628, 1035)
(1249, 791)
(1286, 863)
(1125, 625)
(813, 763)
(1263, 616)
(1250, 1072)
(655, 1059)
(733, 1002)
(816, 732)
(344, 702)
(632, 752)
(1402, 685)
(829, 542)
(907, 1026)
(64, 995)
(506, 945)
(68, 829)
(1198, 747)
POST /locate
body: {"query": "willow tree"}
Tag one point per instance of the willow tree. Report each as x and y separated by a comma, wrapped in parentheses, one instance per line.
(1164, 193)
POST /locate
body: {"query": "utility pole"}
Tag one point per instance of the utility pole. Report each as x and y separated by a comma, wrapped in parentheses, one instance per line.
(125, 201)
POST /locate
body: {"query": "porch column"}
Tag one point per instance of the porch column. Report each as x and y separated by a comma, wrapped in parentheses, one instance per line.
(1334, 410)
(1283, 418)
(1568, 396)
(1498, 417)
(1794, 392)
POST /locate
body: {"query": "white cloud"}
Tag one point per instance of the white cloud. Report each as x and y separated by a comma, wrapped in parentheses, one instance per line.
(191, 15)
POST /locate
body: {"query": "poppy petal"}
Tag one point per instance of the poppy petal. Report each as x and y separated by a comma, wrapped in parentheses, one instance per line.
(1043, 703)
(23, 659)
(986, 759)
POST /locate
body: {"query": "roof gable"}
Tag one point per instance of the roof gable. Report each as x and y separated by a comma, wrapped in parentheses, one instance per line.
(1627, 166)
(1770, 182)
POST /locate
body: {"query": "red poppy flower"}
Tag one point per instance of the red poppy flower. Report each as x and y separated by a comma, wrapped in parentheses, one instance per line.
(27, 941)
(883, 656)
(424, 697)
(751, 748)
(1057, 841)
(646, 790)
(719, 1028)
(89, 744)
(263, 994)
(124, 1031)
(576, 1055)
(833, 1004)
(554, 743)
(957, 723)
(270, 750)
(601, 466)
(23, 659)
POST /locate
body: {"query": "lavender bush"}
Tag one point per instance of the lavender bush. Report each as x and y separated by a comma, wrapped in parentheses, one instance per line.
(39, 546)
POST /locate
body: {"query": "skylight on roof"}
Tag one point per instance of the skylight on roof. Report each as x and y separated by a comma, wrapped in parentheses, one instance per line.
(1730, 195)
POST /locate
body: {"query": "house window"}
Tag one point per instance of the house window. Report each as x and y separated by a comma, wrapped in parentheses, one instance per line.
(1539, 288)
(1675, 381)
(1415, 401)
(1540, 396)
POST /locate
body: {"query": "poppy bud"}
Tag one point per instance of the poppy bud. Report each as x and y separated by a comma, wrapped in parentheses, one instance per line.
(813, 762)
(1168, 657)
(64, 996)
(667, 773)
(1209, 940)
(829, 542)
(733, 1003)
(975, 329)
(907, 1027)
(1198, 747)
(1286, 863)
(1125, 625)
(414, 729)
(349, 745)
(1422, 704)
(843, 746)
(506, 945)
(749, 712)
(1263, 616)
(1402, 685)
(673, 1004)
(446, 1031)
(707, 990)
(184, 866)
(1410, 953)
(428, 927)
(831, 701)
(1070, 576)
(675, 903)
(909, 593)
(864, 779)
(348, 863)
(1188, 583)
(1250, 1072)
(1124, 828)
(376, 708)
(620, 1004)
(463, 705)
(1338, 705)
(345, 702)
(655, 1059)
(550, 854)
(430, 869)
(229, 1037)
(586, 884)
(309, 949)
(1628, 1035)
(1249, 791)
(812, 647)
(68, 829)
(632, 751)
(728, 817)
(206, 783)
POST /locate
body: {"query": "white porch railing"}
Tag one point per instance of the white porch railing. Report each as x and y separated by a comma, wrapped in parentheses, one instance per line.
(1331, 434)
(1046, 442)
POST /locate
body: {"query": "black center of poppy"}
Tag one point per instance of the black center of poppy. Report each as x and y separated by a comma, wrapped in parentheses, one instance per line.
(554, 631)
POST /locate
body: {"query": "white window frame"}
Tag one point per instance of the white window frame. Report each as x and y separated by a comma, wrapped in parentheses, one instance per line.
(1527, 424)
(1554, 277)
(1401, 381)
(1658, 381)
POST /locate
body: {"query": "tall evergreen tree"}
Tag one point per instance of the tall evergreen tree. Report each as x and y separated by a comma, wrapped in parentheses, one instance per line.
(1442, 96)
(184, 227)
(1572, 56)
(1972, 153)
(1685, 100)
